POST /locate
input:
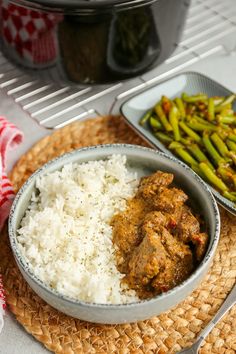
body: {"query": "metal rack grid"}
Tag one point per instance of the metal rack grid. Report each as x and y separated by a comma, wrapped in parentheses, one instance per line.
(53, 105)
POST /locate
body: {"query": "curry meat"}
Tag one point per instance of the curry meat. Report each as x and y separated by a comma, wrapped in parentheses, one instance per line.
(158, 239)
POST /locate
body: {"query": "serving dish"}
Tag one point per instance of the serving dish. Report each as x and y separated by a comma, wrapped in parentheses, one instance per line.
(97, 41)
(144, 161)
(190, 82)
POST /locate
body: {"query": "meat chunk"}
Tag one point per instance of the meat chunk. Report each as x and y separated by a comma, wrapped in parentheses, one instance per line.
(200, 241)
(125, 232)
(179, 265)
(146, 260)
(156, 223)
(170, 199)
(188, 225)
(125, 226)
(175, 249)
(173, 274)
(153, 221)
(174, 218)
(188, 230)
(158, 239)
(151, 185)
(160, 261)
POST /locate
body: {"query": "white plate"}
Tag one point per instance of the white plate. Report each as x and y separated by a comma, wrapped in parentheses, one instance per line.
(190, 82)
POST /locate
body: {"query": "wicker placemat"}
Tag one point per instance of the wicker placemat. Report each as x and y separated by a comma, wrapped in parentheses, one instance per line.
(166, 333)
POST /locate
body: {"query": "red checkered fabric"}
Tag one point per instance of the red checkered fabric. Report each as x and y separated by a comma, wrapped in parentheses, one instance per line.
(30, 32)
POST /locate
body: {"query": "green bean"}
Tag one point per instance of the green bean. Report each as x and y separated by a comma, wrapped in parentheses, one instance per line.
(202, 106)
(229, 99)
(227, 112)
(227, 174)
(231, 145)
(166, 104)
(185, 156)
(155, 124)
(195, 125)
(193, 99)
(196, 169)
(221, 107)
(190, 109)
(201, 120)
(211, 150)
(160, 113)
(232, 155)
(185, 141)
(226, 104)
(163, 137)
(212, 177)
(189, 132)
(201, 131)
(220, 145)
(226, 127)
(173, 118)
(223, 131)
(218, 100)
(232, 137)
(229, 196)
(181, 108)
(145, 118)
(202, 115)
(225, 119)
(211, 109)
(175, 145)
(199, 155)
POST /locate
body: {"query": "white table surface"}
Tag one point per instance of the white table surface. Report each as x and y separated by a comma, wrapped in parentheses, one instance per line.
(14, 339)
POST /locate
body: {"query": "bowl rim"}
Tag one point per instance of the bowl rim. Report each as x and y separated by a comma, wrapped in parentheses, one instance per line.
(22, 263)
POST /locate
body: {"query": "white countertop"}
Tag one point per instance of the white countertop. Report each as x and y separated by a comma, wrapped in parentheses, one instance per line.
(14, 339)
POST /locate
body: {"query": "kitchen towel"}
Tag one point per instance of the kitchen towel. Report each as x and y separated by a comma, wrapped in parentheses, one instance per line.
(10, 137)
(2, 304)
(29, 34)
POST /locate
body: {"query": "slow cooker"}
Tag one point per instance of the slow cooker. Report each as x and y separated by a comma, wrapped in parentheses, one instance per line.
(97, 41)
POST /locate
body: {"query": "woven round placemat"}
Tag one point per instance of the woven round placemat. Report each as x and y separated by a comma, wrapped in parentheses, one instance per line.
(166, 333)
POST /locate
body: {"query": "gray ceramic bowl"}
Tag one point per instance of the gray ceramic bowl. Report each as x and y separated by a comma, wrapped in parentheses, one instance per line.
(144, 161)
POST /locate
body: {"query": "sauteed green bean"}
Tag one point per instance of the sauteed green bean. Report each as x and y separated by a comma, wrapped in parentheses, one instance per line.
(201, 131)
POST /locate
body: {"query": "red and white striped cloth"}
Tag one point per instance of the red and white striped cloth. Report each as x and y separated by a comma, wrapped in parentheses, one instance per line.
(2, 303)
(10, 137)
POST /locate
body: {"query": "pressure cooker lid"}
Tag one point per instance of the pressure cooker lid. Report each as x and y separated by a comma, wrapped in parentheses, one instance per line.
(85, 4)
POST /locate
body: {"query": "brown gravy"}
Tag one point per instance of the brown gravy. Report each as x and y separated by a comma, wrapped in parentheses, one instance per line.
(158, 238)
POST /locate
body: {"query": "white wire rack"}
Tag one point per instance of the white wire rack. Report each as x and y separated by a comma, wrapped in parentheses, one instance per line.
(53, 105)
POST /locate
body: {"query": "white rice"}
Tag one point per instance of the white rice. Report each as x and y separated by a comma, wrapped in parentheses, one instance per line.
(65, 235)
